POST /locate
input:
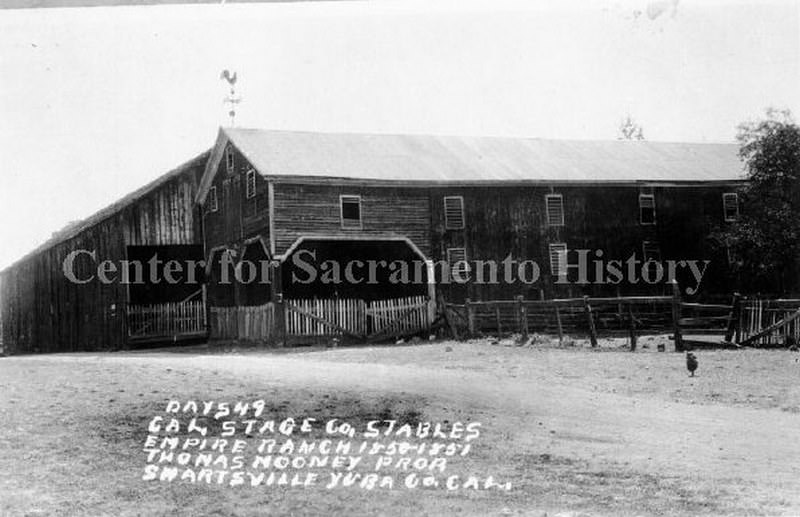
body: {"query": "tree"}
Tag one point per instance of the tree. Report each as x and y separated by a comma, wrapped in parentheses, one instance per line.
(630, 130)
(764, 242)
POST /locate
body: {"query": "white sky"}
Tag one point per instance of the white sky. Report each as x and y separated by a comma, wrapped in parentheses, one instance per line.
(95, 102)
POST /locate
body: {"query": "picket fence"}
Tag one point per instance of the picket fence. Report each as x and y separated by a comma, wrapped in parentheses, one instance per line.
(251, 323)
(166, 320)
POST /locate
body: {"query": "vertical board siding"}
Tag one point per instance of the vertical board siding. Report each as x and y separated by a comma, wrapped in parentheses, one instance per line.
(42, 311)
(250, 323)
(237, 217)
(513, 220)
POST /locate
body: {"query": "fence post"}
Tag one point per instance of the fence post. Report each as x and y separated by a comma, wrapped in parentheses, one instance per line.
(733, 323)
(632, 328)
(470, 317)
(560, 327)
(443, 307)
(522, 317)
(676, 316)
(592, 331)
(276, 288)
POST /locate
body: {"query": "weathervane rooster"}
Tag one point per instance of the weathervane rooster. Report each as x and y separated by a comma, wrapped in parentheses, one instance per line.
(232, 100)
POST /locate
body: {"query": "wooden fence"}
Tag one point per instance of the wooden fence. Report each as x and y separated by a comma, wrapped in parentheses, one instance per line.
(248, 323)
(327, 317)
(629, 315)
(166, 320)
(399, 316)
(756, 315)
(569, 316)
(358, 319)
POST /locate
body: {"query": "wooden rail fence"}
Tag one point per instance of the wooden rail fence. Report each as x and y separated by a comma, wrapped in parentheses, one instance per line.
(628, 315)
(743, 322)
(568, 316)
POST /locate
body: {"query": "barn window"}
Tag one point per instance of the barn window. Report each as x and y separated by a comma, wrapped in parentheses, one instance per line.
(457, 260)
(647, 209)
(229, 161)
(555, 209)
(558, 257)
(250, 186)
(730, 206)
(350, 211)
(212, 200)
(651, 251)
(454, 212)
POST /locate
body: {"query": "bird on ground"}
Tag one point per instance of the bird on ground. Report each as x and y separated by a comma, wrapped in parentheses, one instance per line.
(691, 363)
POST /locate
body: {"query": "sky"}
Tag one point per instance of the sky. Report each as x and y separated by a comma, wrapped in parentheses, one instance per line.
(95, 102)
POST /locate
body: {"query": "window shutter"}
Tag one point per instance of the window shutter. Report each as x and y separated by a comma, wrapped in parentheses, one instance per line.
(229, 160)
(651, 251)
(557, 254)
(730, 206)
(251, 184)
(457, 260)
(555, 209)
(647, 209)
(212, 200)
(453, 212)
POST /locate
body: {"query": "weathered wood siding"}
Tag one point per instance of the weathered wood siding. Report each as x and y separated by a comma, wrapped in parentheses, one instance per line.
(236, 225)
(512, 220)
(237, 218)
(305, 210)
(42, 311)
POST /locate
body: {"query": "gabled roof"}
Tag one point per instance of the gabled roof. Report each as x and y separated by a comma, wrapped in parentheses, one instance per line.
(427, 159)
(74, 228)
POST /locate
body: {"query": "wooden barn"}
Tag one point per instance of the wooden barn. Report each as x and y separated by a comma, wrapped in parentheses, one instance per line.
(43, 311)
(268, 214)
(269, 195)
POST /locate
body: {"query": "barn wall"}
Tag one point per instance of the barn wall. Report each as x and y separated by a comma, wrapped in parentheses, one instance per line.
(42, 311)
(302, 210)
(237, 217)
(237, 223)
(504, 220)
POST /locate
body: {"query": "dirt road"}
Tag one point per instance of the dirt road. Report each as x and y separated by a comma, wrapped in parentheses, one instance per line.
(633, 416)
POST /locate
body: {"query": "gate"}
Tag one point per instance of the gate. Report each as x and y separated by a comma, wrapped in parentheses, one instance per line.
(166, 320)
(326, 318)
(246, 323)
(398, 317)
(356, 318)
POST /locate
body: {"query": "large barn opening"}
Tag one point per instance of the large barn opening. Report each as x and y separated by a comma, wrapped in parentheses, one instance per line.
(165, 294)
(367, 270)
(220, 276)
(164, 274)
(255, 275)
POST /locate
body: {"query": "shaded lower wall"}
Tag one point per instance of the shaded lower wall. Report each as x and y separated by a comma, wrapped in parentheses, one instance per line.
(43, 311)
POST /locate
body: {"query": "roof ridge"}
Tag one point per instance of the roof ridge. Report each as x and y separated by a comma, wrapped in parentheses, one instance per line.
(229, 130)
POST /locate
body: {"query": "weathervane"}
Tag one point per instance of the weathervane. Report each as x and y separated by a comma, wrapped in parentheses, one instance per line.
(232, 99)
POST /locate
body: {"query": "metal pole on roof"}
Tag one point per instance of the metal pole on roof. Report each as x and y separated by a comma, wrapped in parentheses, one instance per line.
(232, 99)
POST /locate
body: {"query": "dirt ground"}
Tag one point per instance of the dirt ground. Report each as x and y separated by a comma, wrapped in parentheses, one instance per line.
(576, 431)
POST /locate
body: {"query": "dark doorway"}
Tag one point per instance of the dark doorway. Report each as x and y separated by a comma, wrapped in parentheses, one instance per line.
(164, 274)
(366, 270)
